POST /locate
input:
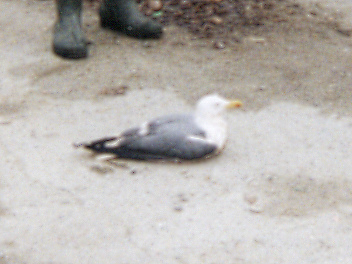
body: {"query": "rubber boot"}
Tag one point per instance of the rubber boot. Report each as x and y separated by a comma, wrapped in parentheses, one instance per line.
(124, 16)
(69, 40)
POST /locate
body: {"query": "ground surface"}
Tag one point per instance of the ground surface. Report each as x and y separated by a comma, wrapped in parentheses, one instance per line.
(279, 193)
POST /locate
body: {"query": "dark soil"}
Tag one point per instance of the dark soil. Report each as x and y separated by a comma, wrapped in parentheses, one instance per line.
(230, 20)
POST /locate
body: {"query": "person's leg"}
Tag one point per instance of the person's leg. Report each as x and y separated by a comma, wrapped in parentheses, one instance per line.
(69, 40)
(124, 16)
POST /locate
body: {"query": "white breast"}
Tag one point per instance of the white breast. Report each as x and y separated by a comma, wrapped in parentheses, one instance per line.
(215, 130)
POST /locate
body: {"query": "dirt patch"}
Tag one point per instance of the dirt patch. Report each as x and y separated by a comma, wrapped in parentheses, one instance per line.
(297, 196)
(230, 21)
(7, 108)
(303, 57)
(35, 71)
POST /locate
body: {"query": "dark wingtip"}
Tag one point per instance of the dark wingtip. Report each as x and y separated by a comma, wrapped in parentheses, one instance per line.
(98, 145)
(85, 145)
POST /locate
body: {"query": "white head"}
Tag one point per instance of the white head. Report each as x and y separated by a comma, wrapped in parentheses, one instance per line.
(214, 105)
(209, 116)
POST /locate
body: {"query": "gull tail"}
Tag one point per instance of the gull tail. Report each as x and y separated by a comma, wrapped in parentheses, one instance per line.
(107, 145)
(98, 145)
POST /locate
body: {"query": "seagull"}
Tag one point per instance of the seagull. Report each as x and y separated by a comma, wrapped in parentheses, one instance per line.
(201, 134)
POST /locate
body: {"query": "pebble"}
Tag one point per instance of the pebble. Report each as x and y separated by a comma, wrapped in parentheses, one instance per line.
(178, 208)
(250, 198)
(216, 20)
(255, 39)
(219, 44)
(101, 169)
(155, 5)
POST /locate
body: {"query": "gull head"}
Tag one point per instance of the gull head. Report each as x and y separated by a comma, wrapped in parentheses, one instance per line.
(214, 105)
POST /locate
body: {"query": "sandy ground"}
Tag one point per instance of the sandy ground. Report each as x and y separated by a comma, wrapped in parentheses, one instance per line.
(279, 193)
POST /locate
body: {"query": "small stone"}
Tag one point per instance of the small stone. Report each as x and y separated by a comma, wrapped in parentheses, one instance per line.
(178, 208)
(216, 20)
(255, 39)
(261, 88)
(101, 169)
(250, 198)
(219, 45)
(155, 5)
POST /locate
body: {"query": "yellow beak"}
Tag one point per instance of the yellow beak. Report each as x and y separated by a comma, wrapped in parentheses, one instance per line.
(234, 104)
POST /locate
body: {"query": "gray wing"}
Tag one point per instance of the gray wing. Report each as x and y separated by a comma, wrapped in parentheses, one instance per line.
(166, 124)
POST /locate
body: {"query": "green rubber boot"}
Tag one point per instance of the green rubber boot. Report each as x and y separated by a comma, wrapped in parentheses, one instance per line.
(124, 16)
(69, 40)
